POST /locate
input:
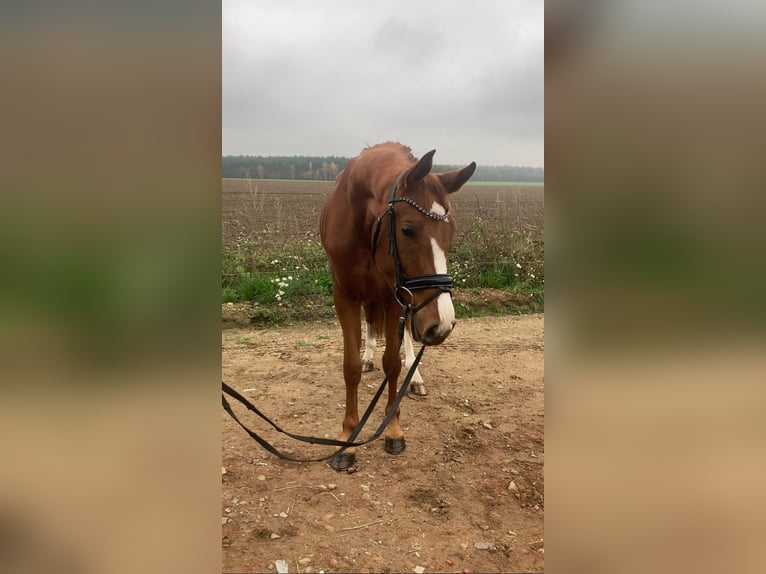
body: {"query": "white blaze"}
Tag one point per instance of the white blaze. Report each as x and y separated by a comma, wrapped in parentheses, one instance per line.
(437, 209)
(444, 301)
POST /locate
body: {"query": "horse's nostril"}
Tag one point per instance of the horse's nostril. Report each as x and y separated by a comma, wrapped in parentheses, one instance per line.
(431, 334)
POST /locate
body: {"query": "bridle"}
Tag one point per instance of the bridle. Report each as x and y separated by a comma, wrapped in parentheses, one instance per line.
(440, 282)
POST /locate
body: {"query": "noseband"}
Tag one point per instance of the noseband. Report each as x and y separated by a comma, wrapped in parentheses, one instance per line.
(441, 282)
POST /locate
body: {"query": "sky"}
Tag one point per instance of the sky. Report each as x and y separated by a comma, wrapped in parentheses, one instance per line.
(332, 77)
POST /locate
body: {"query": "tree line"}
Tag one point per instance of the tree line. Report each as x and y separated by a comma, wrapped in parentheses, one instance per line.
(326, 168)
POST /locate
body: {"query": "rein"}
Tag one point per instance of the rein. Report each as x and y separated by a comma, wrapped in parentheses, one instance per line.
(441, 282)
(325, 441)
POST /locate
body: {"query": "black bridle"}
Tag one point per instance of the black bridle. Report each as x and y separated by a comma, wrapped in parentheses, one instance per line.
(440, 282)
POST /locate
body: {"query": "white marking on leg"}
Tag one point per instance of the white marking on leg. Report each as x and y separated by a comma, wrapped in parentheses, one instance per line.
(444, 301)
(409, 356)
(369, 344)
(438, 209)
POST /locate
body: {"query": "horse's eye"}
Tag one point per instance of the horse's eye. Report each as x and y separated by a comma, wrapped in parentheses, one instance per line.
(409, 232)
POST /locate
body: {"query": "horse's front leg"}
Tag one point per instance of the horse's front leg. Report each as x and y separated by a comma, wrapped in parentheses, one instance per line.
(392, 365)
(349, 316)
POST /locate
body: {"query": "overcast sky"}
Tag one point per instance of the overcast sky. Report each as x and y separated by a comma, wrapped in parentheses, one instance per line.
(331, 77)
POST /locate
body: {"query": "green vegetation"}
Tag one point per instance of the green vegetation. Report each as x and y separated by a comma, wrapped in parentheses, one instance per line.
(495, 271)
(287, 282)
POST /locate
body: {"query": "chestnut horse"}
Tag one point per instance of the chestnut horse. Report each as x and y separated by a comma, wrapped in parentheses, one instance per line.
(386, 229)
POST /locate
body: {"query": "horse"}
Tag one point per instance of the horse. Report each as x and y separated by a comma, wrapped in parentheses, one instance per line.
(418, 386)
(387, 268)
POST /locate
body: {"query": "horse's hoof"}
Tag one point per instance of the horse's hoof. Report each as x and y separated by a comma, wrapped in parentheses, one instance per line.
(418, 389)
(342, 461)
(395, 445)
(367, 366)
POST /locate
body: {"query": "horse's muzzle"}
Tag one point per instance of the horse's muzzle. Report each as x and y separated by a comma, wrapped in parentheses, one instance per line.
(437, 333)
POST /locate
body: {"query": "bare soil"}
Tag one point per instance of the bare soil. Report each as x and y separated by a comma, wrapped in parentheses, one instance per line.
(275, 212)
(466, 495)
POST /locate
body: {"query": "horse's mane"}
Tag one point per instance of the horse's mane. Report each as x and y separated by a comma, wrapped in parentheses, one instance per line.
(405, 148)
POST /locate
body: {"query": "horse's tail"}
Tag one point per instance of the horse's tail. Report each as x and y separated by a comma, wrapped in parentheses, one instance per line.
(375, 316)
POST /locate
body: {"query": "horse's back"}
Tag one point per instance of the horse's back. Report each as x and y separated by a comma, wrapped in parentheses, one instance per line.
(360, 189)
(349, 214)
(343, 214)
(375, 168)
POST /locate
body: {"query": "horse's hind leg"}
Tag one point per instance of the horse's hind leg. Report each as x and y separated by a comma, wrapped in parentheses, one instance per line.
(392, 365)
(349, 316)
(375, 320)
(417, 386)
(369, 347)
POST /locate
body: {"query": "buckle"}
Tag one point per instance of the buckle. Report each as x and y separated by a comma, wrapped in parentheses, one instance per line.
(399, 299)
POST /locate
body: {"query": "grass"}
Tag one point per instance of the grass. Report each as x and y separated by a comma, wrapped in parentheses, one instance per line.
(495, 271)
(287, 282)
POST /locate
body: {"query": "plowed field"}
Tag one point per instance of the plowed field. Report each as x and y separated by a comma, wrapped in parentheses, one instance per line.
(280, 211)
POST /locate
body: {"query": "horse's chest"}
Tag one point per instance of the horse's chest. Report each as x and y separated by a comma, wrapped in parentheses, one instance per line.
(363, 283)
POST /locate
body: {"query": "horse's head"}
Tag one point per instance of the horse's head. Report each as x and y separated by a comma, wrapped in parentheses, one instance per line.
(414, 242)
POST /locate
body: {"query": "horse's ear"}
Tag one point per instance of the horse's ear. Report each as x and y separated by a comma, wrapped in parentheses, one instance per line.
(454, 180)
(421, 169)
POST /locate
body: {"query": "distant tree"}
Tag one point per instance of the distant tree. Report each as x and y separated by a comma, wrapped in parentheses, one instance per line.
(328, 167)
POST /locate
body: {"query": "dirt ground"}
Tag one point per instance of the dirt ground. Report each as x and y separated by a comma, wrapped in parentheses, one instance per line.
(466, 495)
